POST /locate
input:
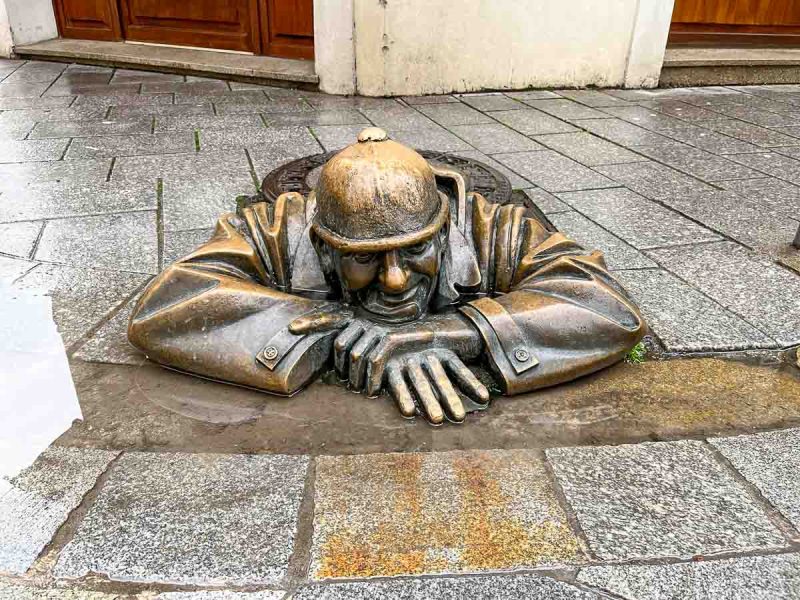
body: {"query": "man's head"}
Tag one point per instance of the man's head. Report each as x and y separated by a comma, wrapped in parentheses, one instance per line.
(381, 227)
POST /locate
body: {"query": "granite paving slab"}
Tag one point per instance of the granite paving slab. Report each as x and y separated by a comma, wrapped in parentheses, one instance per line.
(137, 76)
(516, 181)
(771, 462)
(188, 204)
(658, 500)
(18, 239)
(14, 591)
(454, 114)
(654, 180)
(494, 138)
(63, 129)
(685, 320)
(109, 344)
(588, 149)
(13, 151)
(698, 163)
(617, 254)
(12, 269)
(760, 291)
(553, 172)
(623, 133)
(769, 192)
(15, 175)
(745, 578)
(757, 115)
(16, 130)
(491, 101)
(760, 136)
(510, 587)
(591, 98)
(22, 90)
(533, 122)
(437, 99)
(322, 117)
(683, 110)
(328, 102)
(546, 202)
(226, 123)
(404, 514)
(113, 99)
(532, 95)
(335, 137)
(222, 595)
(81, 297)
(207, 86)
(397, 118)
(117, 242)
(58, 113)
(57, 199)
(12, 103)
(194, 166)
(566, 109)
(131, 145)
(93, 89)
(40, 500)
(773, 163)
(430, 138)
(285, 140)
(178, 244)
(714, 142)
(205, 519)
(646, 118)
(638, 221)
(128, 111)
(249, 99)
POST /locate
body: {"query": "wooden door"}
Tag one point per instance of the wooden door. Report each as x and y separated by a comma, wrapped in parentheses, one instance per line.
(287, 28)
(736, 21)
(222, 24)
(88, 19)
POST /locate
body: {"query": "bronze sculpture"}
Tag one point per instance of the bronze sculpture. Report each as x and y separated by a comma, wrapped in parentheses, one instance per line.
(397, 274)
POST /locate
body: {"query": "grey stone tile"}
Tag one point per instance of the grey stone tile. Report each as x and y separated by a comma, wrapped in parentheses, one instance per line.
(335, 137)
(81, 297)
(653, 500)
(330, 102)
(440, 99)
(495, 492)
(128, 111)
(111, 99)
(243, 508)
(637, 220)
(224, 595)
(136, 76)
(591, 98)
(278, 105)
(772, 193)
(41, 498)
(227, 123)
(117, 242)
(398, 118)
(12, 269)
(17, 130)
(532, 122)
(431, 138)
(269, 157)
(532, 95)
(18, 239)
(753, 134)
(545, 201)
(684, 319)
(31, 150)
(448, 588)
(624, 133)
(295, 140)
(494, 138)
(226, 164)
(36, 74)
(62, 129)
(131, 145)
(683, 110)
(566, 109)
(646, 118)
(706, 139)
(224, 102)
(588, 149)
(697, 162)
(654, 180)
(208, 86)
(22, 90)
(553, 172)
(178, 244)
(58, 113)
(757, 115)
(78, 77)
(192, 204)
(617, 253)
(454, 114)
(50, 200)
(491, 101)
(90, 171)
(109, 344)
(749, 285)
(323, 117)
(14, 591)
(93, 89)
(771, 462)
(517, 182)
(777, 165)
(746, 578)
(12, 103)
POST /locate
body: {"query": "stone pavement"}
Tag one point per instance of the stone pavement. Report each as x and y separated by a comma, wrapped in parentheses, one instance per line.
(692, 194)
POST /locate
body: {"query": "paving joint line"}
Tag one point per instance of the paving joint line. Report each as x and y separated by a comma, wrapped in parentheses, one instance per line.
(299, 565)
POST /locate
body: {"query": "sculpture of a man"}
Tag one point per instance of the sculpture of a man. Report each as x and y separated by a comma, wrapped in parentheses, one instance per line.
(397, 275)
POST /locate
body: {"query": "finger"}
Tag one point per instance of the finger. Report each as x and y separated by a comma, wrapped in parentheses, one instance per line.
(422, 387)
(449, 397)
(400, 391)
(376, 365)
(358, 362)
(467, 381)
(341, 347)
(324, 321)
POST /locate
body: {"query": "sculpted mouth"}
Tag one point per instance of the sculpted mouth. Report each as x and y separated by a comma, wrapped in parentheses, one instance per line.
(395, 299)
(394, 306)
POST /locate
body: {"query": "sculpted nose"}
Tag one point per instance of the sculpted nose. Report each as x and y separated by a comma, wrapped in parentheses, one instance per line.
(393, 276)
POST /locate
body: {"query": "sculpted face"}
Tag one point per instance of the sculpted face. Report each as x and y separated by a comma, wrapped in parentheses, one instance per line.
(392, 286)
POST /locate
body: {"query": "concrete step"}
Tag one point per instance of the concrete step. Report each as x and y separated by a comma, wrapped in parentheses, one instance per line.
(187, 61)
(692, 66)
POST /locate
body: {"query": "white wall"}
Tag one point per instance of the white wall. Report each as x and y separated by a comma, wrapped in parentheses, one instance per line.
(441, 46)
(333, 45)
(6, 43)
(29, 21)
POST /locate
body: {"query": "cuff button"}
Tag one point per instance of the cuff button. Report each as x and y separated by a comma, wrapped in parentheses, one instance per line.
(522, 355)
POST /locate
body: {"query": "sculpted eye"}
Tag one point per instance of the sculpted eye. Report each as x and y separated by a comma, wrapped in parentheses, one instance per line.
(363, 257)
(417, 248)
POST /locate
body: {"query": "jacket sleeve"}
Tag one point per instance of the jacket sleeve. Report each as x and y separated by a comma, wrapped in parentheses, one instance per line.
(552, 311)
(220, 312)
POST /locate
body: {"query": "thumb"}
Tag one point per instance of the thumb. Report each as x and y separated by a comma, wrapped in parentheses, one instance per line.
(320, 321)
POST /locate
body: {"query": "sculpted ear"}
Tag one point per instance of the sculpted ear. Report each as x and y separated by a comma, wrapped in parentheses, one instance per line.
(324, 252)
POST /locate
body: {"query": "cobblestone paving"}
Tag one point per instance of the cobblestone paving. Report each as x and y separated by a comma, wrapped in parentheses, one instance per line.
(693, 195)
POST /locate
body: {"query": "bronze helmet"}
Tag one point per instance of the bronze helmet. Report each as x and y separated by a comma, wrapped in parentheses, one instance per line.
(377, 194)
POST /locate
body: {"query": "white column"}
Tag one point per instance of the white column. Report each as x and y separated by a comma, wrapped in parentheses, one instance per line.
(6, 43)
(334, 50)
(648, 43)
(26, 22)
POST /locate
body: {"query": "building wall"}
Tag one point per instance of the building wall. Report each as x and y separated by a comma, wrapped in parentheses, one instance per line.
(25, 22)
(440, 46)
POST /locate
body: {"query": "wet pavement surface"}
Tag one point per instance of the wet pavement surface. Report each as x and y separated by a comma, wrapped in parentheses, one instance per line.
(673, 478)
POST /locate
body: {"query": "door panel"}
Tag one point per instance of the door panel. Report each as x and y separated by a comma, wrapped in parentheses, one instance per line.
(222, 24)
(88, 19)
(287, 28)
(737, 21)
